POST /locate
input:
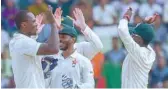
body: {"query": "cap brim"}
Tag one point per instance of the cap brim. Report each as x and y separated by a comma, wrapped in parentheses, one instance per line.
(67, 30)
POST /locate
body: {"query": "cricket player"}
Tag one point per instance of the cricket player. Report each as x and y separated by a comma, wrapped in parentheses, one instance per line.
(25, 51)
(141, 56)
(73, 69)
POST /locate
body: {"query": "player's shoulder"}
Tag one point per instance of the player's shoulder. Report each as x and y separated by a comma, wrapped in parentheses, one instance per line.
(17, 38)
(82, 58)
(78, 55)
(20, 40)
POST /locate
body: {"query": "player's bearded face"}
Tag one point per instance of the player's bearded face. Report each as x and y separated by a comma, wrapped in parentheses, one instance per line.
(65, 41)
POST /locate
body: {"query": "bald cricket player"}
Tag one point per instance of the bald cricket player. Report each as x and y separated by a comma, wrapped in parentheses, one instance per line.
(25, 51)
(141, 56)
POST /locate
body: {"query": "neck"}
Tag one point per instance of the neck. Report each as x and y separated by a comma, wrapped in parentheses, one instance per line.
(68, 52)
(25, 33)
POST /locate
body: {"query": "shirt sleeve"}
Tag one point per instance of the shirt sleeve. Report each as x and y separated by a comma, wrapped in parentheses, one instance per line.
(91, 46)
(87, 75)
(28, 47)
(131, 46)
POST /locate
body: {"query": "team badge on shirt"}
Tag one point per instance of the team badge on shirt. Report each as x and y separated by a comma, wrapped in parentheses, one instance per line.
(67, 82)
(74, 62)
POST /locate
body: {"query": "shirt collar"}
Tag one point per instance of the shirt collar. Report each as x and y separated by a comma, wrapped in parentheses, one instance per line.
(74, 54)
(18, 35)
(22, 35)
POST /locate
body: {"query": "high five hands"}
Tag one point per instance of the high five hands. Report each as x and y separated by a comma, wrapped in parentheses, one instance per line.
(49, 18)
(149, 20)
(79, 20)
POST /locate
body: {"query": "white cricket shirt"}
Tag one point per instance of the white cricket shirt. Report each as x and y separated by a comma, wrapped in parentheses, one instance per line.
(26, 64)
(88, 48)
(138, 61)
(72, 72)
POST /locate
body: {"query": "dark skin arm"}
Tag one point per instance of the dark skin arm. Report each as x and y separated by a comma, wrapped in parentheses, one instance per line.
(52, 45)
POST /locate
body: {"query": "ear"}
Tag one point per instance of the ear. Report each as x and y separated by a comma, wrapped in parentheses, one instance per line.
(23, 24)
(73, 39)
(140, 40)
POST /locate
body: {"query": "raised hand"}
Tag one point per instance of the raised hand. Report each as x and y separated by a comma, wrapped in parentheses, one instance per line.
(57, 15)
(39, 19)
(151, 19)
(79, 20)
(128, 14)
(48, 15)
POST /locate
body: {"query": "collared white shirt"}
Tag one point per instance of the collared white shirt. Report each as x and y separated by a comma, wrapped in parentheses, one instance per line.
(138, 61)
(26, 64)
(72, 72)
(88, 49)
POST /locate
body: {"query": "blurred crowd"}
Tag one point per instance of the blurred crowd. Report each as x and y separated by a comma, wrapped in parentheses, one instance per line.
(98, 14)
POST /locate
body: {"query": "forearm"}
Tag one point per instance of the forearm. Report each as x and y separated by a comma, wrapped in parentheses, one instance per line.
(53, 40)
(131, 46)
(124, 31)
